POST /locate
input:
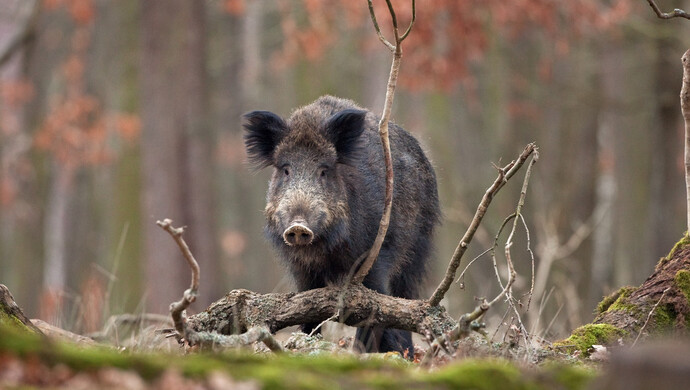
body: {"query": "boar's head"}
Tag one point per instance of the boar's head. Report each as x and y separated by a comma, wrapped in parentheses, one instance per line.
(312, 155)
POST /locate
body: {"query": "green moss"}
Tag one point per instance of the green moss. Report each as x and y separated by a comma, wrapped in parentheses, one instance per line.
(288, 371)
(684, 241)
(570, 376)
(502, 374)
(616, 298)
(682, 282)
(10, 320)
(585, 336)
(480, 374)
(664, 318)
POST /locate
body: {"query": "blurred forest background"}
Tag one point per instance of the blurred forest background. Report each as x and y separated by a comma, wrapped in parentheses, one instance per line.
(114, 114)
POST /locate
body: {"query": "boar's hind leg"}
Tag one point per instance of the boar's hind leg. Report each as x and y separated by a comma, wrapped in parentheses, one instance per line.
(397, 340)
(378, 339)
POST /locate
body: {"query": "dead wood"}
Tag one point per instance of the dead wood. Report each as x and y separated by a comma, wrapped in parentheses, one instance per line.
(248, 313)
(241, 310)
(660, 304)
(56, 333)
(10, 308)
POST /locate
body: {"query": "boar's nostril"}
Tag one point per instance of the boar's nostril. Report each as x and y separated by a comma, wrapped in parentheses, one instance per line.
(298, 234)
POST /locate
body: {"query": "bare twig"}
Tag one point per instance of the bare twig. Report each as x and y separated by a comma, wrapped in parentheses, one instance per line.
(649, 316)
(331, 318)
(377, 28)
(493, 248)
(509, 242)
(462, 274)
(189, 296)
(677, 13)
(504, 174)
(531, 256)
(470, 322)
(208, 339)
(383, 132)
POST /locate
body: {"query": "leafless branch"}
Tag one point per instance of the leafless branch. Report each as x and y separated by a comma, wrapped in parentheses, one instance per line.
(189, 296)
(378, 29)
(470, 322)
(531, 256)
(504, 174)
(509, 242)
(383, 132)
(207, 339)
(677, 13)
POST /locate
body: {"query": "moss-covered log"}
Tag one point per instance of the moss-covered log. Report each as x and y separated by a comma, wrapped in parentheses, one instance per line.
(626, 313)
(11, 314)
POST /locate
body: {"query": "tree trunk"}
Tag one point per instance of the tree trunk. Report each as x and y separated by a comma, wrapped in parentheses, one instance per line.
(198, 190)
(176, 153)
(659, 306)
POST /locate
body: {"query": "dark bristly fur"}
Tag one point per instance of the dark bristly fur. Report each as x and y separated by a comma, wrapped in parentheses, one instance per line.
(329, 176)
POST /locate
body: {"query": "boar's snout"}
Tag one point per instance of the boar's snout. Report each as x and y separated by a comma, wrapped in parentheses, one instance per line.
(298, 234)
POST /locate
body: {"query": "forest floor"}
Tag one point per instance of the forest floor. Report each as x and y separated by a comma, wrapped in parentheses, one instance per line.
(147, 360)
(605, 354)
(28, 360)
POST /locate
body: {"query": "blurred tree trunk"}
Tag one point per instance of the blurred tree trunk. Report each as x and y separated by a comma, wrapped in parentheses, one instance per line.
(56, 230)
(666, 183)
(177, 163)
(602, 265)
(198, 188)
(19, 221)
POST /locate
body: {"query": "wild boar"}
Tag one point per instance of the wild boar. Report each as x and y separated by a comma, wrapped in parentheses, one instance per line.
(326, 197)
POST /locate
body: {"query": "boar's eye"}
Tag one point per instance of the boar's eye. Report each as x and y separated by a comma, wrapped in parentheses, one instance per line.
(286, 170)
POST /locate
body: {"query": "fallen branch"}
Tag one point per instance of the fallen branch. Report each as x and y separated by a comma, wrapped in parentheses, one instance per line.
(241, 310)
(202, 338)
(177, 308)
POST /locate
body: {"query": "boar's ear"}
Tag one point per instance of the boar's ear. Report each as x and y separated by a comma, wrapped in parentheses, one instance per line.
(344, 130)
(263, 131)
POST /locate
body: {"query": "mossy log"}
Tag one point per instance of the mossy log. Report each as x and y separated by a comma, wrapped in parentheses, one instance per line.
(11, 314)
(659, 306)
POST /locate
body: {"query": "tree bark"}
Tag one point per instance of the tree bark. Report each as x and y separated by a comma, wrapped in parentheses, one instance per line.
(240, 310)
(685, 106)
(176, 145)
(665, 294)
